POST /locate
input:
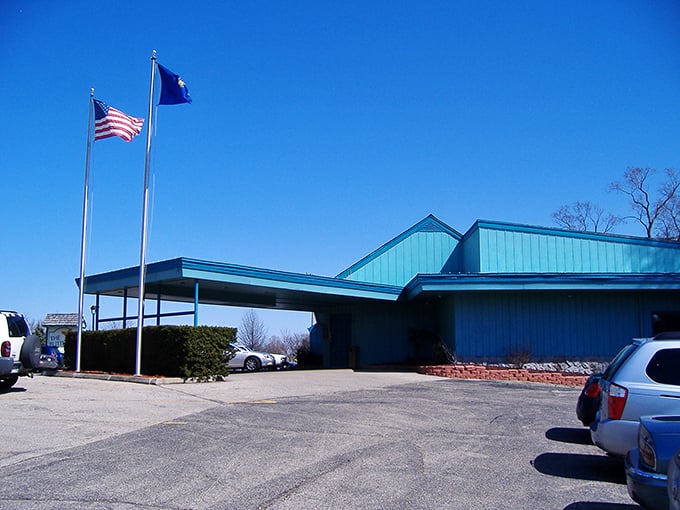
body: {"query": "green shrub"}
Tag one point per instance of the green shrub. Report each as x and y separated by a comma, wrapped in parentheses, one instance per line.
(204, 354)
(173, 351)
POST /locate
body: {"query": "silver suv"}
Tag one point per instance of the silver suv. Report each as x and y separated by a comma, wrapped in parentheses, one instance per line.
(19, 350)
(643, 379)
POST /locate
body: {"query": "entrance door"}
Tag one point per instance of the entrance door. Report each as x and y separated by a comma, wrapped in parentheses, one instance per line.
(341, 339)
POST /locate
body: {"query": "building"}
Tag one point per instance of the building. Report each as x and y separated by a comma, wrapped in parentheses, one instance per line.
(57, 325)
(500, 291)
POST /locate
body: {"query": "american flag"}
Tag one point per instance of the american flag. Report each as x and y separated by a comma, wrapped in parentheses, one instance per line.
(110, 122)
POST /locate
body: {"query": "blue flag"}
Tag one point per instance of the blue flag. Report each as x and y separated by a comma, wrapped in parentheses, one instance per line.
(173, 89)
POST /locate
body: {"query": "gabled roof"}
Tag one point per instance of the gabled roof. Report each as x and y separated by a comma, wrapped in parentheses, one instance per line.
(61, 319)
(428, 258)
(423, 248)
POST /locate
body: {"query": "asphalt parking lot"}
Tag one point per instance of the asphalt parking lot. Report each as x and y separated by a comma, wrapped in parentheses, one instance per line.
(301, 439)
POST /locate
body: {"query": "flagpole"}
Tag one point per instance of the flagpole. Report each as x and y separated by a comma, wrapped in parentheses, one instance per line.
(145, 206)
(83, 238)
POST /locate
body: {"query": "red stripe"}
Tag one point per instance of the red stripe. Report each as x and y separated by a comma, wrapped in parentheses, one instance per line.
(116, 123)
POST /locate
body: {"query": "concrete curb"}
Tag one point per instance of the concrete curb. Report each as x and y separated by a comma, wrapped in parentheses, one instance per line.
(139, 379)
(454, 371)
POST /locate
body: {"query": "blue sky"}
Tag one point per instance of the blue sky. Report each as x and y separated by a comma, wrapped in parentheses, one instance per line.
(318, 130)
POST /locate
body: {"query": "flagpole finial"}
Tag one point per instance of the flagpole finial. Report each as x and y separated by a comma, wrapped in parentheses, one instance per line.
(153, 55)
(91, 91)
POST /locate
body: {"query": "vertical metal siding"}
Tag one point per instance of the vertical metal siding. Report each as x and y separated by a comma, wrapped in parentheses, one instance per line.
(548, 325)
(494, 326)
(504, 251)
(472, 249)
(421, 252)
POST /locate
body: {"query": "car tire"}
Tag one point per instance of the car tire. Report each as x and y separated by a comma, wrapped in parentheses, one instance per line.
(30, 352)
(6, 384)
(251, 364)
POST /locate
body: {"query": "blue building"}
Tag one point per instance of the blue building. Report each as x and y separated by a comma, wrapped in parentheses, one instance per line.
(497, 292)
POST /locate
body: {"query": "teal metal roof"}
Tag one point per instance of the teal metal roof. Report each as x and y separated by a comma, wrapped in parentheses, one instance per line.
(496, 247)
(423, 248)
(429, 257)
(446, 283)
(230, 284)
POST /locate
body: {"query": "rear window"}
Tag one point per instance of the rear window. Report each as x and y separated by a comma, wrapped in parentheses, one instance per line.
(618, 360)
(17, 326)
(663, 367)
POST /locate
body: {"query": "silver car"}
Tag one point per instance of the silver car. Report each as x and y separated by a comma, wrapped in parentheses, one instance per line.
(250, 361)
(642, 380)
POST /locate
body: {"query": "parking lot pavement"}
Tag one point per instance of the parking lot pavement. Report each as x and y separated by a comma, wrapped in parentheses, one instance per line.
(44, 415)
(242, 387)
(66, 412)
(327, 439)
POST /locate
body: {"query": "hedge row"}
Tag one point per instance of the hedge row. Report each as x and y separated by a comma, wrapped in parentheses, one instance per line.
(171, 351)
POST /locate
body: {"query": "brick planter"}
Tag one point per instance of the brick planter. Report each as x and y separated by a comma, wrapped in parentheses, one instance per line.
(471, 371)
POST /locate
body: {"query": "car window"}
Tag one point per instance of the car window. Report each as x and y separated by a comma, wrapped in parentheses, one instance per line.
(663, 367)
(17, 326)
(618, 360)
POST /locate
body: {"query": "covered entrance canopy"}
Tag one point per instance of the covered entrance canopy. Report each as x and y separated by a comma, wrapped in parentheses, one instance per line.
(215, 283)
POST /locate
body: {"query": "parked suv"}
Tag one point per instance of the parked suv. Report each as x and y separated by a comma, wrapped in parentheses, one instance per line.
(643, 379)
(19, 350)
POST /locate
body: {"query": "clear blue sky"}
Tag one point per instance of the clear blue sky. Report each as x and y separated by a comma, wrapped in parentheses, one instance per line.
(318, 130)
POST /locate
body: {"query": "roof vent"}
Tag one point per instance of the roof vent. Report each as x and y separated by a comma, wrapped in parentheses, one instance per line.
(431, 227)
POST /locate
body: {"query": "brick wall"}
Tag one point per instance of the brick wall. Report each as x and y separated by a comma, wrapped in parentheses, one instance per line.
(470, 371)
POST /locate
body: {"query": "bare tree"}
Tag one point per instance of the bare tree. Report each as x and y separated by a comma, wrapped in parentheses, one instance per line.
(647, 208)
(585, 217)
(252, 334)
(111, 325)
(276, 345)
(669, 221)
(287, 343)
(37, 329)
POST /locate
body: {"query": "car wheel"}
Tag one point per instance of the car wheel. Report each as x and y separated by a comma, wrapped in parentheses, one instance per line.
(30, 352)
(6, 384)
(252, 364)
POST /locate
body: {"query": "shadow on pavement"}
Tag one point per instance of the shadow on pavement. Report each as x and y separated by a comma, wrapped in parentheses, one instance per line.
(598, 468)
(588, 505)
(569, 435)
(13, 390)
